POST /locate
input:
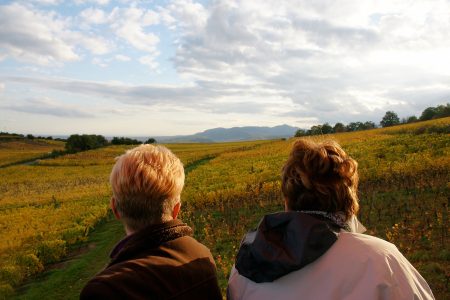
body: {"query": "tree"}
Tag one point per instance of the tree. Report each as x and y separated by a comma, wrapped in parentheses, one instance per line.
(300, 132)
(77, 142)
(124, 141)
(368, 125)
(316, 130)
(428, 114)
(150, 141)
(411, 119)
(390, 119)
(339, 127)
(440, 111)
(354, 126)
(326, 128)
(30, 136)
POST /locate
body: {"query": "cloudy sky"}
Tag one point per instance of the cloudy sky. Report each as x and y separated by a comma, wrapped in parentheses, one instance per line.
(148, 68)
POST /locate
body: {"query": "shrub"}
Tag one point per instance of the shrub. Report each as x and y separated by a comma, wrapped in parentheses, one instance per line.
(10, 274)
(6, 291)
(51, 251)
(30, 264)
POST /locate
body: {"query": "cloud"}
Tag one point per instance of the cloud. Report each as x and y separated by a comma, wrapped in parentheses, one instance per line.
(94, 16)
(149, 60)
(47, 106)
(308, 61)
(325, 60)
(121, 57)
(206, 98)
(98, 2)
(39, 37)
(99, 62)
(130, 25)
(32, 36)
(47, 2)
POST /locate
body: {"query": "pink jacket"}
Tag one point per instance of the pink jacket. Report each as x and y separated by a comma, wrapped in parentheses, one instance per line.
(356, 266)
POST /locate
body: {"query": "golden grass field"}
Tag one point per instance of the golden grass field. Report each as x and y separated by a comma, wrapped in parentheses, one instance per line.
(48, 208)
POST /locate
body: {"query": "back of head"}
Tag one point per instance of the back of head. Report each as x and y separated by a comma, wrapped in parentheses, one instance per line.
(147, 182)
(320, 176)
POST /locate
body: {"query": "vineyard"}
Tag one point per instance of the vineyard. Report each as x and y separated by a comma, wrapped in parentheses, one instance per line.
(49, 208)
(22, 150)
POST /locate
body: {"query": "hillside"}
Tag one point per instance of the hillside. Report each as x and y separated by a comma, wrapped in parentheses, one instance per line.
(247, 133)
(51, 209)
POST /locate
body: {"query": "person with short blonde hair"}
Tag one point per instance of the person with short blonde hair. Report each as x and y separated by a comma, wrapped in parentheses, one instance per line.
(315, 249)
(147, 182)
(158, 259)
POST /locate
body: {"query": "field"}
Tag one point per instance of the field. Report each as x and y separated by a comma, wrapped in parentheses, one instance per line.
(13, 151)
(50, 209)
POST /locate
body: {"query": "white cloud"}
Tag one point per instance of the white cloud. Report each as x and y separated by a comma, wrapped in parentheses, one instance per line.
(130, 25)
(99, 62)
(98, 2)
(2, 87)
(331, 60)
(149, 60)
(94, 16)
(121, 57)
(44, 38)
(306, 61)
(32, 36)
(47, 2)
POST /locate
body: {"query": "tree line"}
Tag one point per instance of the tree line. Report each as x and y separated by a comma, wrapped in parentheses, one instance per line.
(83, 142)
(389, 119)
(77, 142)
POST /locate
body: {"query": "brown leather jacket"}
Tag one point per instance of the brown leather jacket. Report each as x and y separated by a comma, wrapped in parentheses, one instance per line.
(159, 262)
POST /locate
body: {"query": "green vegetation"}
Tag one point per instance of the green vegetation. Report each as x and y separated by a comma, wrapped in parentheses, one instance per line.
(66, 279)
(49, 209)
(389, 119)
(76, 142)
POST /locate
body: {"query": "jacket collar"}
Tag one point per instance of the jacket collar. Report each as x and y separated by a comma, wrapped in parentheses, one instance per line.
(147, 238)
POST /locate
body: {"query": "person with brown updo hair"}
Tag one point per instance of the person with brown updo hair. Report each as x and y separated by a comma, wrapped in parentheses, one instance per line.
(316, 248)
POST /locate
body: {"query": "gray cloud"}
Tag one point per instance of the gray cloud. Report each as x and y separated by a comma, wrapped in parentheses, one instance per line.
(307, 61)
(45, 106)
(205, 96)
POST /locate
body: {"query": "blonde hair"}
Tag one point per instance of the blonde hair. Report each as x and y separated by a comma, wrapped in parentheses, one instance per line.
(320, 176)
(147, 182)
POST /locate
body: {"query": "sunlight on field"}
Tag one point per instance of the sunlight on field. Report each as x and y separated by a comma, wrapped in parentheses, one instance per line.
(21, 150)
(46, 209)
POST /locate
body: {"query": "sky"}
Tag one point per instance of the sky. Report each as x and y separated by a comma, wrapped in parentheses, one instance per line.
(152, 68)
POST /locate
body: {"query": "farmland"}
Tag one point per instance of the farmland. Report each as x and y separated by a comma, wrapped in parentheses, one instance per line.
(49, 209)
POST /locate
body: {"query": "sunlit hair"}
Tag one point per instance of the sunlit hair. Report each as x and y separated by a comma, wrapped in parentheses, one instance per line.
(320, 176)
(147, 182)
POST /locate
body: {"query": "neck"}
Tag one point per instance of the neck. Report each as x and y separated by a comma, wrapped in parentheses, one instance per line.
(128, 231)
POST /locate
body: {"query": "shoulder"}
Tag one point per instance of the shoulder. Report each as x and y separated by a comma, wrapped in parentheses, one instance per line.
(365, 244)
(151, 272)
(188, 247)
(98, 289)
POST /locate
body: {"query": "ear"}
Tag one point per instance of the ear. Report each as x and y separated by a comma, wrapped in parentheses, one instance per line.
(176, 210)
(116, 213)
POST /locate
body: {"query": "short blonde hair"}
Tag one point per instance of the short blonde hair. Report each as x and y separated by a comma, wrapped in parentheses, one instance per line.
(320, 176)
(147, 182)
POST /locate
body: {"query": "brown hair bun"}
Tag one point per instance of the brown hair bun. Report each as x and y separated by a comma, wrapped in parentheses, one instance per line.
(320, 176)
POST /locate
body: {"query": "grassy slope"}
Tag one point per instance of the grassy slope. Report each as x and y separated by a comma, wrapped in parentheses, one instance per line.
(67, 281)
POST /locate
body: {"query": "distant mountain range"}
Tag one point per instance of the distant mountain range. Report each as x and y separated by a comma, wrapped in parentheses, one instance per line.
(232, 134)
